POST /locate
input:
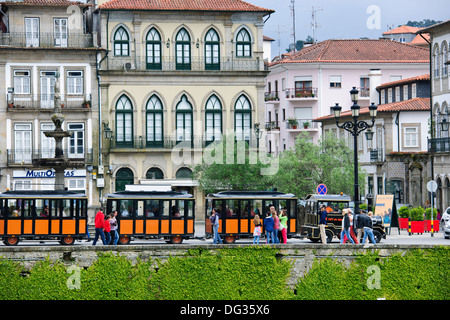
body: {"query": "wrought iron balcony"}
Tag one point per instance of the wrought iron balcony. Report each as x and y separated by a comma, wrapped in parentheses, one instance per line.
(26, 156)
(45, 101)
(46, 40)
(376, 155)
(439, 145)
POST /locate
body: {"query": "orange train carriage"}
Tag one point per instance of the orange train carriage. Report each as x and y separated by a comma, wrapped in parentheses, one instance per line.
(238, 208)
(153, 214)
(42, 215)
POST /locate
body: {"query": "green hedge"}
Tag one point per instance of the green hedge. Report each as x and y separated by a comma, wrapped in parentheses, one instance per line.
(245, 273)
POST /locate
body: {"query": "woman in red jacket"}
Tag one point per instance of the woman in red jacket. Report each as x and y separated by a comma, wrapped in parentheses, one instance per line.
(107, 229)
(99, 221)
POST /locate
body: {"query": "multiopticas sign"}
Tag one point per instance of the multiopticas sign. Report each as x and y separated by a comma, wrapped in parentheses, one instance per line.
(47, 174)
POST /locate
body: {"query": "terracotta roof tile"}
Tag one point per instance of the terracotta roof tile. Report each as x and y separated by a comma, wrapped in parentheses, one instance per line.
(416, 104)
(47, 3)
(422, 77)
(402, 29)
(183, 5)
(359, 51)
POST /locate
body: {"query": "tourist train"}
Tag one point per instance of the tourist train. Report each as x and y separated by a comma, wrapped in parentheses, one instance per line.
(168, 215)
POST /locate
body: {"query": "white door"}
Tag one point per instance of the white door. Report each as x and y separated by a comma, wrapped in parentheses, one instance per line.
(32, 32)
(47, 88)
(60, 32)
(22, 143)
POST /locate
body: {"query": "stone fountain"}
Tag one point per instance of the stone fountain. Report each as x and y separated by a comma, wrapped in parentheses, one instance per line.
(59, 163)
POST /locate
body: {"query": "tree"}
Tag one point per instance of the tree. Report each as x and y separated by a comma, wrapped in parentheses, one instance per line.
(242, 169)
(422, 24)
(330, 162)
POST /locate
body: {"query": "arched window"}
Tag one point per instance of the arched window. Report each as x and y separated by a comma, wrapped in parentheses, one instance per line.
(437, 64)
(184, 122)
(444, 116)
(154, 120)
(184, 173)
(243, 44)
(124, 177)
(121, 42)
(212, 52)
(444, 59)
(154, 173)
(124, 122)
(213, 120)
(153, 50)
(242, 118)
(183, 50)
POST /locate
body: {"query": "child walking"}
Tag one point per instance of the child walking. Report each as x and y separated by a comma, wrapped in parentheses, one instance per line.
(257, 230)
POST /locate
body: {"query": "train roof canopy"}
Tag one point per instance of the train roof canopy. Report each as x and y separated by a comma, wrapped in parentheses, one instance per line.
(42, 194)
(148, 194)
(251, 194)
(328, 197)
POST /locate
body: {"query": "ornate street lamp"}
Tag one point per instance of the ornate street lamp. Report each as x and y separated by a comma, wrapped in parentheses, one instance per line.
(355, 127)
(444, 125)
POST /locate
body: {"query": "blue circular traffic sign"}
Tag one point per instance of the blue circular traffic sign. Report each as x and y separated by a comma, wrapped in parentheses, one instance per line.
(322, 189)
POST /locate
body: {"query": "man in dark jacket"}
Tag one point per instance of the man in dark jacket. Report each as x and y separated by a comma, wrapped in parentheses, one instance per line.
(368, 226)
(322, 223)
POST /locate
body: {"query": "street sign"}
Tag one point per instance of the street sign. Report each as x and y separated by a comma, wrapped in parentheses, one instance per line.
(432, 186)
(322, 189)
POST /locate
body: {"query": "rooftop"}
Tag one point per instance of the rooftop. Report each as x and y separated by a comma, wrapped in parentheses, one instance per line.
(424, 77)
(47, 3)
(183, 5)
(359, 51)
(416, 104)
(402, 29)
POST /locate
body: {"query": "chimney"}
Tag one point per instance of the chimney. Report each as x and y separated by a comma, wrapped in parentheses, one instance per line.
(375, 81)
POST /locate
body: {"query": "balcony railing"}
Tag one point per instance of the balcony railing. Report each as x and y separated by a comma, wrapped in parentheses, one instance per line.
(296, 93)
(376, 155)
(272, 96)
(439, 145)
(301, 124)
(26, 156)
(46, 40)
(167, 142)
(364, 92)
(139, 63)
(46, 101)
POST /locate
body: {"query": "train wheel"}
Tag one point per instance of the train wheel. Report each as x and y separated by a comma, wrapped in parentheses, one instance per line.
(176, 239)
(67, 241)
(230, 239)
(11, 241)
(329, 235)
(124, 239)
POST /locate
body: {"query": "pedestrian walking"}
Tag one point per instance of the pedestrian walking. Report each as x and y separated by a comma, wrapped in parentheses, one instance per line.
(346, 226)
(107, 228)
(257, 230)
(268, 226)
(114, 234)
(215, 223)
(322, 223)
(99, 221)
(276, 224)
(368, 226)
(283, 225)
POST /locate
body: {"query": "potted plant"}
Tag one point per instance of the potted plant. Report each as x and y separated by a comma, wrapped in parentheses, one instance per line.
(86, 104)
(417, 224)
(427, 221)
(403, 214)
(293, 123)
(306, 124)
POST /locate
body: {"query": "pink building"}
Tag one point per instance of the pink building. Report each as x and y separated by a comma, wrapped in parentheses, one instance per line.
(305, 85)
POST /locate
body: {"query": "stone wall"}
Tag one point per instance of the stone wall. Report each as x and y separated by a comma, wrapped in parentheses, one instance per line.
(302, 257)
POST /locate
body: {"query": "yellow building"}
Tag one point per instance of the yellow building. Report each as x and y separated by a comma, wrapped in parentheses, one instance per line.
(171, 76)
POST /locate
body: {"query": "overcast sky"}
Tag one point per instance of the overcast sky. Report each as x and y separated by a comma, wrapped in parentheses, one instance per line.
(345, 19)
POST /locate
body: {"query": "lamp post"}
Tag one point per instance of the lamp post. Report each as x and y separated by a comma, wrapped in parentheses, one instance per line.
(355, 127)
